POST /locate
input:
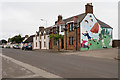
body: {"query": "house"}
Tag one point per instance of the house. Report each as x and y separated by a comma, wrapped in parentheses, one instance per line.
(91, 33)
(41, 38)
(58, 28)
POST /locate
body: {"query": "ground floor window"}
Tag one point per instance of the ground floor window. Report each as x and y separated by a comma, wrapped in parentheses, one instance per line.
(72, 40)
(36, 44)
(69, 40)
(44, 44)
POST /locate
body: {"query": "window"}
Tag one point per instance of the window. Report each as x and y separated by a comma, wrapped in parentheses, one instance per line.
(69, 40)
(70, 27)
(56, 30)
(40, 36)
(36, 37)
(54, 42)
(72, 40)
(36, 44)
(44, 36)
(62, 28)
(44, 44)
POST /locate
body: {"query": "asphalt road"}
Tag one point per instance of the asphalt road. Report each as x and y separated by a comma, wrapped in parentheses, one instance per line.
(67, 66)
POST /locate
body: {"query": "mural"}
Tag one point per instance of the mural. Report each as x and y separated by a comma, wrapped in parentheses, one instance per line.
(93, 36)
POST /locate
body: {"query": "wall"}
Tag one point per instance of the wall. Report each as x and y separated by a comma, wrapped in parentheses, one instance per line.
(34, 43)
(116, 43)
(71, 34)
(93, 36)
(46, 40)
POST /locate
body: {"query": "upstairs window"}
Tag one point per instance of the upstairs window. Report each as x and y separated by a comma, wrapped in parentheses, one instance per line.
(70, 27)
(40, 36)
(36, 37)
(62, 28)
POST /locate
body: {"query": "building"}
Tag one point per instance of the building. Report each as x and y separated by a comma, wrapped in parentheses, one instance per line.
(41, 38)
(58, 28)
(91, 33)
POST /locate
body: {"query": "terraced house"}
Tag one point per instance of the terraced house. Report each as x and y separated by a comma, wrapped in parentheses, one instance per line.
(85, 34)
(41, 38)
(80, 32)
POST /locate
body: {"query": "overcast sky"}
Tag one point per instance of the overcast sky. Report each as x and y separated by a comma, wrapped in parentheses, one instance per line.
(23, 17)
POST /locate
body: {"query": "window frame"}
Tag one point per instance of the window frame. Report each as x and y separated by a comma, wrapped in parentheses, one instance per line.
(69, 40)
(72, 40)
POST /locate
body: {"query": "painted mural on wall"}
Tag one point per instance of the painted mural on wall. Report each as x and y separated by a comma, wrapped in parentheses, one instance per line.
(93, 36)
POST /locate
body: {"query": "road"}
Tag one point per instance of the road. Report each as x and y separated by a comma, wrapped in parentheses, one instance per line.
(66, 66)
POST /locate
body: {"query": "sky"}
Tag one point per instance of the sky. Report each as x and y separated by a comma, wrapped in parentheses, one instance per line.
(24, 16)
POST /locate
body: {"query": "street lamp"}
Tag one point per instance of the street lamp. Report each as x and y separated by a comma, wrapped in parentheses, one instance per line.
(76, 25)
(45, 21)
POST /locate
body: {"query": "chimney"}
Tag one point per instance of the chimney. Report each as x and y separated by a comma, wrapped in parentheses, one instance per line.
(59, 17)
(88, 8)
(26, 36)
(41, 28)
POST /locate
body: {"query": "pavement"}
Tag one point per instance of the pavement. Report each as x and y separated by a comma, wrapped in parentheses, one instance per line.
(110, 53)
(12, 70)
(49, 65)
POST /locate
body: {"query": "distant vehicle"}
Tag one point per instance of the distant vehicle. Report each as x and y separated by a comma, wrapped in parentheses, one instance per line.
(16, 46)
(27, 46)
(8, 46)
(0, 46)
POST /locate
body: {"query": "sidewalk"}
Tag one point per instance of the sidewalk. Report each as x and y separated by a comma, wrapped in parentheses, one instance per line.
(12, 70)
(102, 53)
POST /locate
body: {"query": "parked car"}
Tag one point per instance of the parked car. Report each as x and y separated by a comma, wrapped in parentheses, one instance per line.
(27, 46)
(0, 46)
(8, 46)
(16, 46)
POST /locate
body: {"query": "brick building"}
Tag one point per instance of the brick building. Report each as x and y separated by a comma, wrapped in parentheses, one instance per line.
(91, 32)
(58, 28)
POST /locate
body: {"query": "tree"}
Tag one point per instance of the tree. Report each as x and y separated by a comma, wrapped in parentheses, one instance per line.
(3, 41)
(16, 39)
(56, 37)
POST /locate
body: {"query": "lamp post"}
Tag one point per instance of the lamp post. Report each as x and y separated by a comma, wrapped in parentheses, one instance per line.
(76, 25)
(45, 21)
(66, 35)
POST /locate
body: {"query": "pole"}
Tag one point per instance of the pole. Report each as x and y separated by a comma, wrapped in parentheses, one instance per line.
(66, 39)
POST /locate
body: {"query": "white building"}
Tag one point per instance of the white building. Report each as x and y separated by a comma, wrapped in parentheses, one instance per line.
(41, 38)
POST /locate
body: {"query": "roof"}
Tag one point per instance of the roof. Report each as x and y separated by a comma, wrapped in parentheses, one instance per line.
(29, 39)
(82, 16)
(47, 30)
(103, 25)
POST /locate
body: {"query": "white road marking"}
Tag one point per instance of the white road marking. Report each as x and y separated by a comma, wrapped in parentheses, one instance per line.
(28, 76)
(35, 70)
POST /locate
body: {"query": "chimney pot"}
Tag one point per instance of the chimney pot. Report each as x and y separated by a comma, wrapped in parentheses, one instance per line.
(89, 8)
(59, 17)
